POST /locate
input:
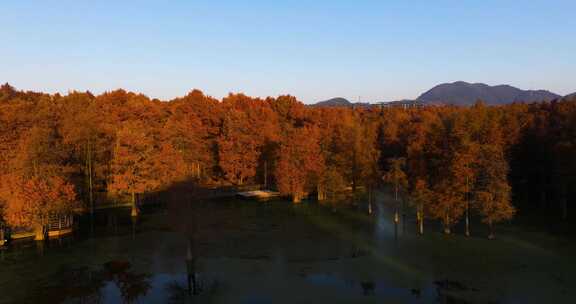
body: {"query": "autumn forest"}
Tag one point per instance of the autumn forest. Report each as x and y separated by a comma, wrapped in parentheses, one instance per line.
(68, 154)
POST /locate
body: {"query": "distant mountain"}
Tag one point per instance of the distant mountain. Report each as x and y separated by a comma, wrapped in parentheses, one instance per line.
(339, 102)
(459, 93)
(573, 95)
(334, 102)
(463, 93)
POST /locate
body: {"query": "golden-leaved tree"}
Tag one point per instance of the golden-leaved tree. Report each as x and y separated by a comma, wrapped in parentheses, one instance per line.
(300, 163)
(492, 192)
(29, 202)
(36, 185)
(140, 165)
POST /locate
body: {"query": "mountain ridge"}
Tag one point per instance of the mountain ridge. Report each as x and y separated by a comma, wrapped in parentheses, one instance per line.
(339, 102)
(463, 93)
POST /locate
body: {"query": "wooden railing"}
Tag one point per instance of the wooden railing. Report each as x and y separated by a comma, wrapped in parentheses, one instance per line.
(59, 222)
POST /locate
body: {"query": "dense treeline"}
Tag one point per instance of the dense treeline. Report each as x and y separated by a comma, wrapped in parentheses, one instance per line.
(60, 154)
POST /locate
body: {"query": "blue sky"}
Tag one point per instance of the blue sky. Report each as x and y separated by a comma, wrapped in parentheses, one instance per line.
(378, 50)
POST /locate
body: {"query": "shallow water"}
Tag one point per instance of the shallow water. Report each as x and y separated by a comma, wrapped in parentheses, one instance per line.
(276, 252)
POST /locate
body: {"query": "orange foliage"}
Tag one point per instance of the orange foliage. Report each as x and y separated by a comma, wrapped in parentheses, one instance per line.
(300, 163)
(30, 201)
(140, 166)
(123, 142)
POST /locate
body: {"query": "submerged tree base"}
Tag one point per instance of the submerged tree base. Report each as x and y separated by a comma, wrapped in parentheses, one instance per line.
(39, 234)
(134, 212)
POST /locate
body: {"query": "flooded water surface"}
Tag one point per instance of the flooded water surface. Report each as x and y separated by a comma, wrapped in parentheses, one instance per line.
(234, 251)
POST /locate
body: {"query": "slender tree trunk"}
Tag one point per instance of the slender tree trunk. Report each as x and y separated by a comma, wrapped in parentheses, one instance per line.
(420, 218)
(396, 213)
(321, 193)
(491, 235)
(467, 233)
(370, 195)
(2, 237)
(135, 212)
(447, 224)
(421, 228)
(395, 231)
(40, 232)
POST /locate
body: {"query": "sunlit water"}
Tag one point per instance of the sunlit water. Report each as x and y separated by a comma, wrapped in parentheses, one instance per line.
(276, 252)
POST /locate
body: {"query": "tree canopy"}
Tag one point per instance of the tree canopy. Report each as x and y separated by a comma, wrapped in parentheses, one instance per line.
(445, 160)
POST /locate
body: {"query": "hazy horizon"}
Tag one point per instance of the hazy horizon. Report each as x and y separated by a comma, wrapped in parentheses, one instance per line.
(314, 51)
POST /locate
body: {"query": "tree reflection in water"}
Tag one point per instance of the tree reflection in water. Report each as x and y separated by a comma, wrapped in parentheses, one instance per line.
(85, 285)
(132, 285)
(177, 292)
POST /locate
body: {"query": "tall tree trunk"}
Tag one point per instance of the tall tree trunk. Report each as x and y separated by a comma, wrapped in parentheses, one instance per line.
(2, 237)
(370, 198)
(467, 233)
(135, 212)
(421, 226)
(396, 214)
(491, 235)
(396, 231)
(40, 232)
(321, 193)
(447, 224)
(420, 218)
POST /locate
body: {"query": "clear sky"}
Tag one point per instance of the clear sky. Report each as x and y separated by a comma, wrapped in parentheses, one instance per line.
(315, 50)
